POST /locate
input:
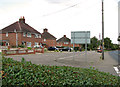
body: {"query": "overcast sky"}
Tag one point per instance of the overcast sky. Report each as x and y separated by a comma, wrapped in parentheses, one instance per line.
(63, 16)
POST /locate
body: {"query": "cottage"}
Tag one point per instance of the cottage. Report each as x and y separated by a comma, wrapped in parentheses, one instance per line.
(19, 34)
(48, 39)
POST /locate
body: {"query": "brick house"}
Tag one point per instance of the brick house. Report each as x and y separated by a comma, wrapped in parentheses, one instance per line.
(65, 41)
(20, 33)
(48, 39)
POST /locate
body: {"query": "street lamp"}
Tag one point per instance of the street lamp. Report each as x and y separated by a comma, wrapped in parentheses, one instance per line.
(102, 29)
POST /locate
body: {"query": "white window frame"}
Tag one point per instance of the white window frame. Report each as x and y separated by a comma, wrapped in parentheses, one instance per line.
(28, 34)
(36, 43)
(24, 34)
(29, 44)
(7, 34)
(44, 40)
(66, 43)
(39, 36)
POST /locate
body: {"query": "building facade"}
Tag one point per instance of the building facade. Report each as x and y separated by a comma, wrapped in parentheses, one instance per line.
(66, 42)
(20, 34)
(48, 39)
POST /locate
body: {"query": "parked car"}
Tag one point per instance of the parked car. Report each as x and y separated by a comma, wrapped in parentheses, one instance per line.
(66, 49)
(52, 48)
(99, 50)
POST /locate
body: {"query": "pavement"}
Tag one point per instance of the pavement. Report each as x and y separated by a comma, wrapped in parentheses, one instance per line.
(74, 59)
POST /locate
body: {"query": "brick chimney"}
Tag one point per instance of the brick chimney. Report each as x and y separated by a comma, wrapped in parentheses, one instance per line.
(45, 30)
(64, 36)
(22, 20)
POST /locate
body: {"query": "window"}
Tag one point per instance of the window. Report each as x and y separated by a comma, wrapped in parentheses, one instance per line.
(36, 43)
(37, 36)
(44, 39)
(24, 34)
(28, 44)
(23, 43)
(28, 34)
(7, 34)
(66, 43)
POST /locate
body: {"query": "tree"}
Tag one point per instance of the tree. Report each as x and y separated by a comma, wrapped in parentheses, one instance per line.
(94, 43)
(107, 43)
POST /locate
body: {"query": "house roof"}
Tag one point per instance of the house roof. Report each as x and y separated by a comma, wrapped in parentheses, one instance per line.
(19, 27)
(47, 35)
(63, 39)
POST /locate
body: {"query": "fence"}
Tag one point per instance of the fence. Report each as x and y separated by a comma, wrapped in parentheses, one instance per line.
(22, 51)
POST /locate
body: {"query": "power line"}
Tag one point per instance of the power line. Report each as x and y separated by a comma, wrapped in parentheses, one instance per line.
(62, 9)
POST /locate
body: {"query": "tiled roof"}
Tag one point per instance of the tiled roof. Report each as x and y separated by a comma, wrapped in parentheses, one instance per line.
(63, 39)
(19, 27)
(47, 35)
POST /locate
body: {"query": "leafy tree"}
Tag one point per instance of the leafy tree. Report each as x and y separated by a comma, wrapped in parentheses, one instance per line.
(108, 43)
(94, 43)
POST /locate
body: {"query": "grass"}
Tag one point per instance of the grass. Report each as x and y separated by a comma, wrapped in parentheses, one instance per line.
(28, 74)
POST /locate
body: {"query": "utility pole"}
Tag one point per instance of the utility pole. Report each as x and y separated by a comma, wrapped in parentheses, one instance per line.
(102, 29)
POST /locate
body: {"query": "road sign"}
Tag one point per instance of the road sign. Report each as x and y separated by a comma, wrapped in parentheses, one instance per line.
(80, 37)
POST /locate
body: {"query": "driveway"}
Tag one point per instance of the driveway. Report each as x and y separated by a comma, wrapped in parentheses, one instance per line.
(75, 59)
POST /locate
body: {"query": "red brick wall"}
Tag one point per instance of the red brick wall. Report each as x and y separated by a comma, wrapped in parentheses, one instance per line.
(12, 39)
(31, 39)
(50, 43)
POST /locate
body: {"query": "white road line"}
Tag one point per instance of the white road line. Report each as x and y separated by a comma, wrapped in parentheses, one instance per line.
(116, 69)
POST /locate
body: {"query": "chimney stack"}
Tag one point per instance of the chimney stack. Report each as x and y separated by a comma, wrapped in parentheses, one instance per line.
(64, 35)
(45, 30)
(22, 20)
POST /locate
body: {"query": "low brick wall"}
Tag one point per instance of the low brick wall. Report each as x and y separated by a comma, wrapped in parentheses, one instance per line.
(22, 51)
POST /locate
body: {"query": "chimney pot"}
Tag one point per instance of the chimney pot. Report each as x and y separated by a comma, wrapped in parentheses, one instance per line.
(45, 30)
(64, 35)
(22, 19)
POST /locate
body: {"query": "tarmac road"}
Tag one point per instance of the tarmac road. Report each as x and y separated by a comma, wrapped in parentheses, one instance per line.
(74, 59)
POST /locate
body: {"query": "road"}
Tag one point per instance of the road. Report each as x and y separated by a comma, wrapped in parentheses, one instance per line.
(115, 55)
(74, 59)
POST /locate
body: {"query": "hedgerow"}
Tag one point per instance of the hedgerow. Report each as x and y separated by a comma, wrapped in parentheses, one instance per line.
(28, 74)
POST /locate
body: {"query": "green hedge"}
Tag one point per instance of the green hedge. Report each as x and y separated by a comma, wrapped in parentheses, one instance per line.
(28, 74)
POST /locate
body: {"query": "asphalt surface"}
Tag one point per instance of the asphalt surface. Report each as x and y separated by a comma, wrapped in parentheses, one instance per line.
(115, 55)
(74, 59)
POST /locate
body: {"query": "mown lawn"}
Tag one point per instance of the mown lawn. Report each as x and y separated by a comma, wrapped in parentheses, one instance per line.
(28, 74)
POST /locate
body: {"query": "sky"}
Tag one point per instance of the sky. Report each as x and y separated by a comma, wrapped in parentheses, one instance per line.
(61, 17)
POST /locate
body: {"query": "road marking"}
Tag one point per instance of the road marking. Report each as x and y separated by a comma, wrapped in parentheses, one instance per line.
(117, 70)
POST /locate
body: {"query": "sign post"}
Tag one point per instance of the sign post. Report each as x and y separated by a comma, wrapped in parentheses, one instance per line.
(80, 37)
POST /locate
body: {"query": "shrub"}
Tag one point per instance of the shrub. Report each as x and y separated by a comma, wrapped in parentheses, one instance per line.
(29, 48)
(28, 74)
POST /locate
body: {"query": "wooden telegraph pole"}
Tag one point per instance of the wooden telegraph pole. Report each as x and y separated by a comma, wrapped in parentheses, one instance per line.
(102, 29)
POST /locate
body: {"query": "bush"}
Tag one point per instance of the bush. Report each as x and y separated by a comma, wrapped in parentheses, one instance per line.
(29, 48)
(28, 74)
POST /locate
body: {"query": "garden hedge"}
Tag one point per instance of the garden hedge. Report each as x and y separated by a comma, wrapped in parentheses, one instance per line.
(28, 75)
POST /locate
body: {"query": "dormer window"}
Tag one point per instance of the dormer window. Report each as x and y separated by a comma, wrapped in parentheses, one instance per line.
(24, 34)
(28, 34)
(7, 34)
